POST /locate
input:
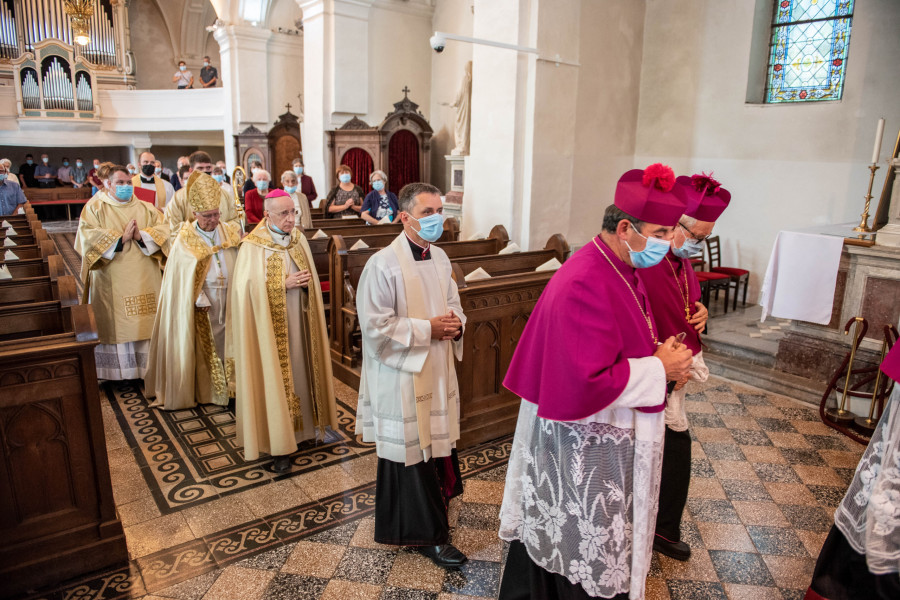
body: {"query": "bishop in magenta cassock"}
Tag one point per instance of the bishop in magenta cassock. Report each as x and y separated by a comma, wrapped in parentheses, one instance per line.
(591, 368)
(674, 294)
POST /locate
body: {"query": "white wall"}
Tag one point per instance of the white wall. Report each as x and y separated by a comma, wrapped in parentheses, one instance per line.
(398, 56)
(447, 69)
(787, 166)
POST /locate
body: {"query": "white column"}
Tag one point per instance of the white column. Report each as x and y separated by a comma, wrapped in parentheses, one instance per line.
(494, 178)
(244, 73)
(335, 75)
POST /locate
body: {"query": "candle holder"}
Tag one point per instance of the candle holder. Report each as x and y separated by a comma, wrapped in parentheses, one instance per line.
(863, 226)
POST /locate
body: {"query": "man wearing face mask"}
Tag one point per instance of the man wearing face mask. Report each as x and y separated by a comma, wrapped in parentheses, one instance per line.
(11, 196)
(277, 344)
(150, 187)
(412, 325)
(174, 179)
(253, 199)
(64, 173)
(79, 173)
(306, 182)
(45, 173)
(209, 76)
(187, 349)
(591, 367)
(26, 173)
(94, 178)
(178, 210)
(218, 174)
(221, 164)
(674, 294)
(122, 242)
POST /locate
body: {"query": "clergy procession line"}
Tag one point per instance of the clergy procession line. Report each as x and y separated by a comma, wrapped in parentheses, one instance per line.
(593, 353)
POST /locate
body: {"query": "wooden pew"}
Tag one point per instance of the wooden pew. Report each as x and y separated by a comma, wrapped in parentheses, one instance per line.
(345, 269)
(39, 289)
(25, 238)
(43, 250)
(496, 310)
(36, 267)
(451, 227)
(59, 518)
(519, 262)
(60, 195)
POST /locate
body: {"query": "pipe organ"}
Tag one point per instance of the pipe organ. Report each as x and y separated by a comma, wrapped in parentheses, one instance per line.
(54, 82)
(25, 23)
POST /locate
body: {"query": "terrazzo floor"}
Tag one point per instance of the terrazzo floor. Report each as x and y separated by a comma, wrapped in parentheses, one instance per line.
(766, 477)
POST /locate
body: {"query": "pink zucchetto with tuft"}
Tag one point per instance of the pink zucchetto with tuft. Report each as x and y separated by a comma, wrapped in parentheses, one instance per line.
(277, 193)
(707, 200)
(651, 195)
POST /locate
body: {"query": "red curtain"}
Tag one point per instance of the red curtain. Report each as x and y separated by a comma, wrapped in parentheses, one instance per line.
(362, 166)
(403, 160)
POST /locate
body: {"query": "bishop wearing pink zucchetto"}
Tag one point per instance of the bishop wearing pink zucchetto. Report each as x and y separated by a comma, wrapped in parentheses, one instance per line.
(581, 493)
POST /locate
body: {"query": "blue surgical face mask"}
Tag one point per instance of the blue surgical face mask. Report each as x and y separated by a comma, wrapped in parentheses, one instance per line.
(3, 176)
(29, 161)
(378, 185)
(275, 229)
(290, 189)
(344, 177)
(124, 192)
(181, 67)
(689, 248)
(431, 227)
(78, 163)
(262, 185)
(651, 255)
(65, 163)
(298, 170)
(219, 178)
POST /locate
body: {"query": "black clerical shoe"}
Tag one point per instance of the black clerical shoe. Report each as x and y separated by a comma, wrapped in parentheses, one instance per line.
(676, 550)
(445, 555)
(281, 464)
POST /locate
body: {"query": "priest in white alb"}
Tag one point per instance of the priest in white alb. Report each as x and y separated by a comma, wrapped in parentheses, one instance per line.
(187, 349)
(122, 242)
(277, 341)
(412, 325)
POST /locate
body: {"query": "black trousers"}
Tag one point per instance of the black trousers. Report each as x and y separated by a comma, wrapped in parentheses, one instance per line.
(841, 574)
(524, 580)
(411, 502)
(673, 487)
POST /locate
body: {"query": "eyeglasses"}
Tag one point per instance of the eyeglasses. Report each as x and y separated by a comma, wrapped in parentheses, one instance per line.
(693, 235)
(284, 213)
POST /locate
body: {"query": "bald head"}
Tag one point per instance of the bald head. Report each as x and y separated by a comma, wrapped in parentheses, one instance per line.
(147, 158)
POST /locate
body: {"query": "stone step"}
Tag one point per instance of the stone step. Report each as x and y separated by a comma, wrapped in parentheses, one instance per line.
(741, 369)
(739, 349)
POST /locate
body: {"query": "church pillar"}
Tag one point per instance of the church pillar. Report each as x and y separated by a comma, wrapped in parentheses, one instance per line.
(335, 76)
(494, 168)
(245, 75)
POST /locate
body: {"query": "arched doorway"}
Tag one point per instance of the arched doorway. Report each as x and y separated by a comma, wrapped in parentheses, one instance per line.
(361, 164)
(403, 159)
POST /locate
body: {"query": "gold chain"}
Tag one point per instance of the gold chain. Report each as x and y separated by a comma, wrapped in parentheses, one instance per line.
(633, 294)
(684, 292)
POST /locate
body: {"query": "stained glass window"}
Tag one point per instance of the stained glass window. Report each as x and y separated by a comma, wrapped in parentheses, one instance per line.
(808, 55)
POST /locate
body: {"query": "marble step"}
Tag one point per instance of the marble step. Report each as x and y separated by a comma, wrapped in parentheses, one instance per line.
(738, 368)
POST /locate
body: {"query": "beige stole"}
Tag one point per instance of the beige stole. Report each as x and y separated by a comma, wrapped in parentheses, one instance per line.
(423, 383)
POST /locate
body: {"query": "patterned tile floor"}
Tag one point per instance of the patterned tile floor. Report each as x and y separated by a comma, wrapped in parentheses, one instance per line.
(767, 475)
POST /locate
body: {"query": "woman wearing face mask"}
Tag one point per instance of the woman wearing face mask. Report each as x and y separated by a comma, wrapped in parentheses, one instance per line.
(253, 200)
(219, 175)
(183, 78)
(344, 199)
(291, 185)
(380, 202)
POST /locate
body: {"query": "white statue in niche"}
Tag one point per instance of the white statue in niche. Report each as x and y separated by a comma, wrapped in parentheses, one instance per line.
(463, 104)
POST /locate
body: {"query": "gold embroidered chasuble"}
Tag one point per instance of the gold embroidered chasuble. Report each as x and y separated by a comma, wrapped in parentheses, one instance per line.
(123, 289)
(186, 358)
(179, 210)
(277, 346)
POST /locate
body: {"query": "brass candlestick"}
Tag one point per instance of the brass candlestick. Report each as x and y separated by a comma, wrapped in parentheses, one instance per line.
(863, 226)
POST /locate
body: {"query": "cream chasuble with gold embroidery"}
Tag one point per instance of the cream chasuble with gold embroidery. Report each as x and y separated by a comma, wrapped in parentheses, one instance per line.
(122, 285)
(187, 349)
(278, 346)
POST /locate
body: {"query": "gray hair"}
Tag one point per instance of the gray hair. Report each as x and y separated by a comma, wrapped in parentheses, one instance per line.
(411, 191)
(614, 215)
(288, 174)
(6, 162)
(259, 175)
(380, 173)
(687, 221)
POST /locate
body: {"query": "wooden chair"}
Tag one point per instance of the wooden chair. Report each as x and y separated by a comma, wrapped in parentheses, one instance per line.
(735, 275)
